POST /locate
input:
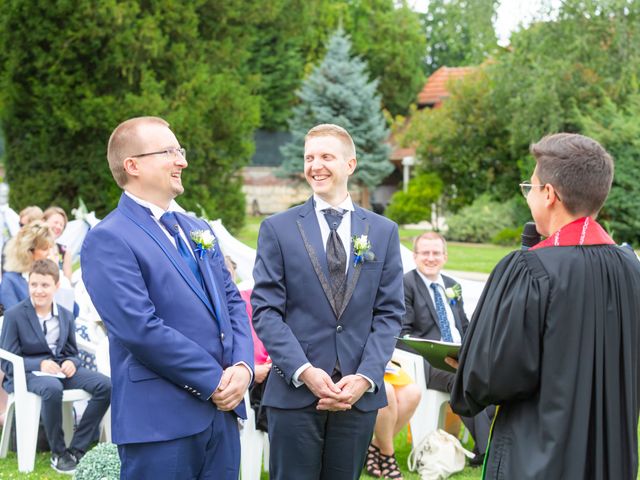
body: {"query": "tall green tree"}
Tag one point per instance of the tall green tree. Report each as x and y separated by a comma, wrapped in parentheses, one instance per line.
(618, 129)
(71, 71)
(459, 32)
(465, 143)
(339, 91)
(292, 36)
(389, 36)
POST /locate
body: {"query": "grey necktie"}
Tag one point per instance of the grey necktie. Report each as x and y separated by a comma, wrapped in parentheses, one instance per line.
(336, 256)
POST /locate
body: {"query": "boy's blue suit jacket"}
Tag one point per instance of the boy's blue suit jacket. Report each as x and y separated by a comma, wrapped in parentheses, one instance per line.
(295, 318)
(167, 348)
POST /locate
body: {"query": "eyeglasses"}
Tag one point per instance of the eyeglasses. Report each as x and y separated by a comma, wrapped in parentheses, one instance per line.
(169, 151)
(525, 188)
(427, 253)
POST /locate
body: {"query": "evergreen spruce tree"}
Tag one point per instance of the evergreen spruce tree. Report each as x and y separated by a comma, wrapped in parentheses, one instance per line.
(339, 91)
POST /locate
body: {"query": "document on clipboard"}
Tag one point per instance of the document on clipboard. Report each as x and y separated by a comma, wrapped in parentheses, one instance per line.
(434, 351)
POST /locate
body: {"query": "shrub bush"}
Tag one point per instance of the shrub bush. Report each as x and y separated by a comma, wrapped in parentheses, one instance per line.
(508, 237)
(100, 463)
(483, 220)
(415, 205)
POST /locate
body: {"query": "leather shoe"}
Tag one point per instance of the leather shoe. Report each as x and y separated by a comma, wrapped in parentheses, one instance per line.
(477, 461)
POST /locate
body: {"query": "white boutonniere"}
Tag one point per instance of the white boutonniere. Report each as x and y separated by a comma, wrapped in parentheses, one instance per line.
(454, 294)
(362, 249)
(204, 241)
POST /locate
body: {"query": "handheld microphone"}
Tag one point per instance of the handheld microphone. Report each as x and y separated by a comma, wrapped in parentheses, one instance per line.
(530, 236)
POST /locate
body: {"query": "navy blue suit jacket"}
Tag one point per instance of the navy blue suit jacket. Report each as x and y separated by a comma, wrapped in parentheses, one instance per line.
(23, 335)
(293, 311)
(13, 289)
(167, 348)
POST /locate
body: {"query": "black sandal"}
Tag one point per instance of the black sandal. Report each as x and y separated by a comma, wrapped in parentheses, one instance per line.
(372, 461)
(389, 467)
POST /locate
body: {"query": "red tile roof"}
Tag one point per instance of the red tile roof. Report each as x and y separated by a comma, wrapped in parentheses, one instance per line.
(435, 90)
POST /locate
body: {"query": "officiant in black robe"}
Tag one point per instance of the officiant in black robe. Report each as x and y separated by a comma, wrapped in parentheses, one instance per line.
(555, 337)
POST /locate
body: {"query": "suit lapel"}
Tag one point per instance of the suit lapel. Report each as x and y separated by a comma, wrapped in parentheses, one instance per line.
(64, 331)
(424, 293)
(312, 238)
(455, 309)
(203, 263)
(359, 226)
(35, 323)
(141, 216)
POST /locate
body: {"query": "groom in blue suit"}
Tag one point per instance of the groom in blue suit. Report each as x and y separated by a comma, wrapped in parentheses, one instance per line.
(327, 303)
(179, 340)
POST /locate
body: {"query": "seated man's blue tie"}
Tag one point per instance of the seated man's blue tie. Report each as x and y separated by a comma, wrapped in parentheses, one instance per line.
(443, 321)
(169, 221)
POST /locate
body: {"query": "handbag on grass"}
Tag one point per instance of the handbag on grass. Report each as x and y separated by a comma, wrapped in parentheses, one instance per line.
(438, 456)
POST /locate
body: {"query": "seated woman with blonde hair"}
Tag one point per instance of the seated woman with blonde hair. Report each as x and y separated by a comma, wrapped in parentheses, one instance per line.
(33, 242)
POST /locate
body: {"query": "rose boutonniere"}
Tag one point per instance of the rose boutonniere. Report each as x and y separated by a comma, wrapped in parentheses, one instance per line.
(362, 249)
(454, 294)
(204, 241)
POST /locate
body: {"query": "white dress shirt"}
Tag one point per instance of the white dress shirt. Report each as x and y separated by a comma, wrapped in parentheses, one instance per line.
(455, 334)
(53, 326)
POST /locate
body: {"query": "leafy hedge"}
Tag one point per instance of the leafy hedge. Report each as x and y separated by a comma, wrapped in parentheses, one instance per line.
(485, 220)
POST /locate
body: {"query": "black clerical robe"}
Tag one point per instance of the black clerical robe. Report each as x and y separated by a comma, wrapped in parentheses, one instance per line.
(554, 341)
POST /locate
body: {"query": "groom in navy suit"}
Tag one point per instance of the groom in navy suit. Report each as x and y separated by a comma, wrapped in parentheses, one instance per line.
(179, 340)
(327, 304)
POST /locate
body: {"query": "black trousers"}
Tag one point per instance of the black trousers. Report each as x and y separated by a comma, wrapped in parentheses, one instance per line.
(311, 444)
(51, 388)
(478, 426)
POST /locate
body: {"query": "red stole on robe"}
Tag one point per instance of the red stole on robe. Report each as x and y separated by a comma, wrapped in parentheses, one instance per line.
(583, 231)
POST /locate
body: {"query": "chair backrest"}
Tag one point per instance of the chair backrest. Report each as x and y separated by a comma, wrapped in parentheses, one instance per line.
(19, 377)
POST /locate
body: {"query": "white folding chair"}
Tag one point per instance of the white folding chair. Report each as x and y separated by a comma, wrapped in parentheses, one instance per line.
(25, 407)
(101, 351)
(254, 446)
(431, 411)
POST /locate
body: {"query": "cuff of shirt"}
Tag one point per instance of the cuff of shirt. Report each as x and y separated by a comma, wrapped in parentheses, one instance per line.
(296, 376)
(248, 368)
(239, 363)
(373, 385)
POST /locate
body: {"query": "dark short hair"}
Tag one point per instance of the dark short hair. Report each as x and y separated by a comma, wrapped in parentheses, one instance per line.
(430, 236)
(577, 167)
(46, 267)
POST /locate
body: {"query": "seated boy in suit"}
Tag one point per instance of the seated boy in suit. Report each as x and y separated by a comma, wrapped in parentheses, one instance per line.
(43, 333)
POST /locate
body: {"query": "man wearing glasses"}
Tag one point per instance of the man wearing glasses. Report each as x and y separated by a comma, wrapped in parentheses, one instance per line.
(554, 339)
(180, 344)
(434, 315)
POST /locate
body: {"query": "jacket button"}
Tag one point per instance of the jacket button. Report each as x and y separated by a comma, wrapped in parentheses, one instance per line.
(222, 337)
(339, 328)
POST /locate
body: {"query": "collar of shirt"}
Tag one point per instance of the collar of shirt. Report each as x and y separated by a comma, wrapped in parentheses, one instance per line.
(157, 212)
(53, 313)
(321, 204)
(439, 281)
